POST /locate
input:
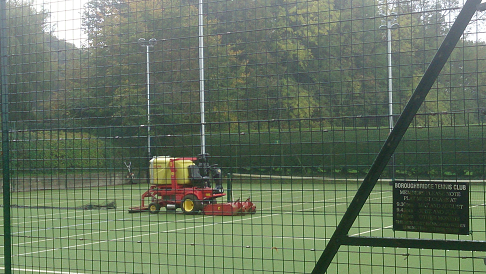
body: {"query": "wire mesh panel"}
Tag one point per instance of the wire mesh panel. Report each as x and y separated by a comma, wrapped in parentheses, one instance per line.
(160, 136)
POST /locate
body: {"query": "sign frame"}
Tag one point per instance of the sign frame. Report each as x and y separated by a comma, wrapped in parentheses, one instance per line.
(434, 207)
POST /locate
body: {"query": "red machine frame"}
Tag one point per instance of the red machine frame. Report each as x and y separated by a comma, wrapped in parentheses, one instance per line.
(175, 193)
(198, 198)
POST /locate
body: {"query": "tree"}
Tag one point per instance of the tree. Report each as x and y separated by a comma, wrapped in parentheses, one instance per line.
(115, 75)
(278, 43)
(423, 26)
(32, 72)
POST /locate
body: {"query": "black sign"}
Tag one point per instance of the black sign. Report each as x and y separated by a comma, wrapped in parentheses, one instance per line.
(436, 207)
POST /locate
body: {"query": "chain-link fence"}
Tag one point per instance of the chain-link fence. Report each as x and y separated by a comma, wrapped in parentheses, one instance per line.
(134, 131)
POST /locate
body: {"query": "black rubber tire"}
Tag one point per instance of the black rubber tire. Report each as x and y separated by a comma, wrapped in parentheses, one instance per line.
(191, 205)
(154, 208)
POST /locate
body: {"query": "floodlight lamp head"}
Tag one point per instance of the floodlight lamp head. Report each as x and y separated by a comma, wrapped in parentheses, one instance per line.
(142, 42)
(152, 41)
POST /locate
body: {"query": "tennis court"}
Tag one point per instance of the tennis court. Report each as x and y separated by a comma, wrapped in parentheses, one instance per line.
(313, 106)
(54, 232)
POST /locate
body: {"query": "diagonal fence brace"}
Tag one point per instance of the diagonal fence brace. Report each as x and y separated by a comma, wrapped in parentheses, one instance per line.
(393, 140)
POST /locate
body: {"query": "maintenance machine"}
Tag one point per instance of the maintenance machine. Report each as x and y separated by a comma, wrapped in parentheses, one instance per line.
(186, 183)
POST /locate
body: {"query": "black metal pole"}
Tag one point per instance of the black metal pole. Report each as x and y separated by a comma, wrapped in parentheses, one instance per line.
(397, 133)
(5, 140)
(229, 188)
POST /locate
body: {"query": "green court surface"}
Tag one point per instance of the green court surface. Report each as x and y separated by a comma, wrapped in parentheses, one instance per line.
(52, 233)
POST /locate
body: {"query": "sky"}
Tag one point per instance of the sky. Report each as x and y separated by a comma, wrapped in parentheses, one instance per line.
(65, 18)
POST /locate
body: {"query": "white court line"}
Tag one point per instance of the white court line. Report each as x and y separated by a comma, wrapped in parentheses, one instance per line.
(126, 196)
(105, 213)
(38, 217)
(130, 219)
(89, 233)
(63, 213)
(66, 202)
(70, 217)
(477, 205)
(166, 231)
(179, 229)
(137, 236)
(75, 225)
(373, 230)
(390, 226)
(41, 271)
(194, 227)
(269, 191)
(54, 219)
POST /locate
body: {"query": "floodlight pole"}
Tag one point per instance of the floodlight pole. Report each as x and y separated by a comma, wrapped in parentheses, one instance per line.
(390, 24)
(389, 27)
(201, 77)
(148, 44)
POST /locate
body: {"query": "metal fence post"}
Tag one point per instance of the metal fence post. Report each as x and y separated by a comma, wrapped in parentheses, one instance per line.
(5, 140)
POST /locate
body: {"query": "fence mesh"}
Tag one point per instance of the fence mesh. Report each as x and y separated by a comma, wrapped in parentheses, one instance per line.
(285, 102)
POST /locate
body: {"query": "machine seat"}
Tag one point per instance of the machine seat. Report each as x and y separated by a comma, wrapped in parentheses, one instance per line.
(196, 178)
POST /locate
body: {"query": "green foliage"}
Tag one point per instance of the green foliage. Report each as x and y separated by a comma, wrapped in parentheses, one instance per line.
(37, 64)
(270, 65)
(431, 153)
(265, 60)
(44, 151)
(28, 72)
(275, 60)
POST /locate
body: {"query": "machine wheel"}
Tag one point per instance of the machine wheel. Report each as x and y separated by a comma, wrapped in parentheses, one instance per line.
(191, 205)
(154, 208)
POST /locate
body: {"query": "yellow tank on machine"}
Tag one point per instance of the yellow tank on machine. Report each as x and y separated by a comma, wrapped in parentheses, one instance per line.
(186, 183)
(160, 170)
